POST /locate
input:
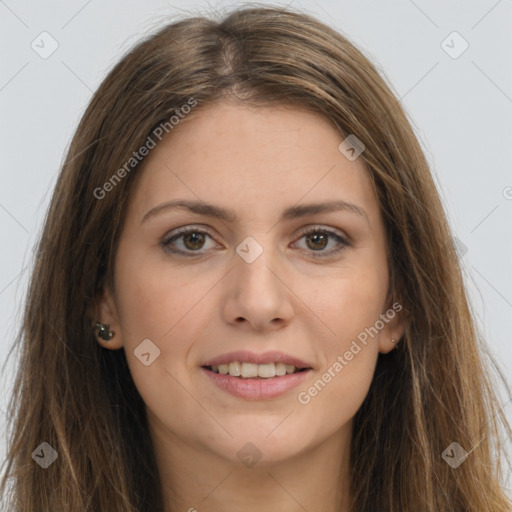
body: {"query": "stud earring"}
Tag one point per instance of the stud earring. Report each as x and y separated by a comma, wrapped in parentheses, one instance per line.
(103, 331)
(395, 342)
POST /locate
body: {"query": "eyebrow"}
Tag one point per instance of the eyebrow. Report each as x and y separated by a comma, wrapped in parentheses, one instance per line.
(293, 212)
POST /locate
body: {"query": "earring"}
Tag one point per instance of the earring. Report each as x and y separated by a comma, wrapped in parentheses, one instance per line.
(104, 332)
(395, 343)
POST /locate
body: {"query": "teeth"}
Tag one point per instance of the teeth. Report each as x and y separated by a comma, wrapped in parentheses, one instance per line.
(266, 371)
(235, 369)
(251, 370)
(280, 369)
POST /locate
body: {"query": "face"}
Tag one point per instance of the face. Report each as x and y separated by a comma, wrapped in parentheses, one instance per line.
(270, 282)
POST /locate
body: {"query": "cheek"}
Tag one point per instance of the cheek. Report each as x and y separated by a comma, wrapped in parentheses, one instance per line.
(350, 307)
(156, 299)
(158, 302)
(161, 307)
(350, 304)
(348, 362)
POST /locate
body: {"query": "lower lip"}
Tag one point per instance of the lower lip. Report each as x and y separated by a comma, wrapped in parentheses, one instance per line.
(257, 389)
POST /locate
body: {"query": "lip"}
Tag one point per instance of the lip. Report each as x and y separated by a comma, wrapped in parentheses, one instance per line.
(257, 388)
(245, 356)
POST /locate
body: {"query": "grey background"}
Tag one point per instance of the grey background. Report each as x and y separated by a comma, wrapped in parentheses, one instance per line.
(461, 109)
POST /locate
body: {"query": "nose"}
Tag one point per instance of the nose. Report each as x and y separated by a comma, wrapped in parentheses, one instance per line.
(257, 294)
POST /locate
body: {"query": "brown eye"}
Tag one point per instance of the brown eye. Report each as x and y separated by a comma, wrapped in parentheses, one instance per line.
(192, 241)
(317, 239)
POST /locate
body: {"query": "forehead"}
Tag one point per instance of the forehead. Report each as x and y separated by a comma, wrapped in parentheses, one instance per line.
(256, 161)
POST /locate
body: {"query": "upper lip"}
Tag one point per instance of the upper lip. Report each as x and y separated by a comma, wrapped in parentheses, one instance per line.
(245, 356)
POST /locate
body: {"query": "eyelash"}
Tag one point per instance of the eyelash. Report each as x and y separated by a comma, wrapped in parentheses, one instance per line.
(343, 243)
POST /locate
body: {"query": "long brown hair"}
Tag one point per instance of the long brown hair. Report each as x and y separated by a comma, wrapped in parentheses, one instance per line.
(80, 398)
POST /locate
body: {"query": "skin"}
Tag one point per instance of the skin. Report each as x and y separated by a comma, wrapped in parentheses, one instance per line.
(257, 162)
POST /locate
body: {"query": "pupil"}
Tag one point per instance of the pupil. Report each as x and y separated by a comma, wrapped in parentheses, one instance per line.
(194, 243)
(315, 235)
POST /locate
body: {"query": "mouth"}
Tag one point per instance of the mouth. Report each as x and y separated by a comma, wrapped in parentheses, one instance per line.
(245, 370)
(253, 376)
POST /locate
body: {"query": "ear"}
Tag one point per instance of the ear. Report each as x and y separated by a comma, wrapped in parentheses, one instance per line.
(394, 322)
(106, 312)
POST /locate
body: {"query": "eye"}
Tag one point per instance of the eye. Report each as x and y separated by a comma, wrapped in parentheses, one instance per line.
(193, 240)
(318, 238)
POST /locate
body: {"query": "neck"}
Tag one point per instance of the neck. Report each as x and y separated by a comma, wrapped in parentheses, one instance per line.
(193, 478)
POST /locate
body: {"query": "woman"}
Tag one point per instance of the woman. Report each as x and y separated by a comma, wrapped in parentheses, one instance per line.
(246, 294)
